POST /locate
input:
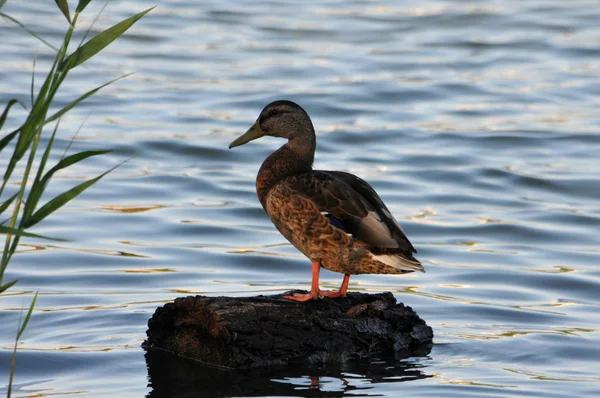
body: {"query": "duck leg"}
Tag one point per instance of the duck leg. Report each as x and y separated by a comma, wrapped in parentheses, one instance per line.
(343, 289)
(315, 291)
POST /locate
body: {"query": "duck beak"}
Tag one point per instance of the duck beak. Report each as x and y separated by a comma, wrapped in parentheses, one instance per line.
(253, 133)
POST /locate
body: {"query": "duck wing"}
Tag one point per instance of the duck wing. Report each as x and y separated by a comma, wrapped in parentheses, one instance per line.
(369, 194)
(352, 203)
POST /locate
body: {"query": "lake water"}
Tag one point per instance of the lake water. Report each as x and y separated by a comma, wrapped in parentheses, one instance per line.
(476, 121)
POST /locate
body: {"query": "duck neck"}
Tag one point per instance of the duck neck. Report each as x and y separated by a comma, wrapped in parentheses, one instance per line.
(295, 157)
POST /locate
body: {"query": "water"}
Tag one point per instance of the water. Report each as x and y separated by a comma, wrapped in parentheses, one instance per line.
(476, 121)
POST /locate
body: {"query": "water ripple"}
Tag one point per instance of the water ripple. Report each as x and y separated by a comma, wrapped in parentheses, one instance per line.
(476, 122)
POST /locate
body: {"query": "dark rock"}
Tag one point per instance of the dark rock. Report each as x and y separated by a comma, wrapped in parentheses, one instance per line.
(250, 332)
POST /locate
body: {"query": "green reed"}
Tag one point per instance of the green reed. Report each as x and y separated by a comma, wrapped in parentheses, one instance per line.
(22, 208)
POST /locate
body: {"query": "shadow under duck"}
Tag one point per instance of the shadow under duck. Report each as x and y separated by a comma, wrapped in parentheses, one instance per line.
(334, 218)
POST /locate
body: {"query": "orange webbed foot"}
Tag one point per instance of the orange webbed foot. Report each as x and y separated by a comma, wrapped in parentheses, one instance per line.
(342, 291)
(304, 297)
(315, 292)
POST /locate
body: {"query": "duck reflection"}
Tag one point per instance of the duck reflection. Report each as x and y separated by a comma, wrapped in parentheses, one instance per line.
(174, 377)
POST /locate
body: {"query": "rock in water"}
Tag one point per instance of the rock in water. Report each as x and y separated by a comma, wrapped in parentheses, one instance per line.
(250, 332)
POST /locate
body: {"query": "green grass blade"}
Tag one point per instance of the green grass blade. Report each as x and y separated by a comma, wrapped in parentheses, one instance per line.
(62, 199)
(13, 159)
(27, 317)
(11, 241)
(73, 104)
(19, 232)
(37, 188)
(51, 83)
(40, 185)
(81, 6)
(89, 29)
(26, 134)
(4, 141)
(13, 365)
(8, 285)
(7, 109)
(7, 203)
(14, 356)
(46, 155)
(71, 160)
(31, 32)
(64, 8)
(33, 79)
(74, 136)
(38, 111)
(29, 128)
(100, 41)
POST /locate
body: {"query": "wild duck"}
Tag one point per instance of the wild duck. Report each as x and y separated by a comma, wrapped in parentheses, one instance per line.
(334, 218)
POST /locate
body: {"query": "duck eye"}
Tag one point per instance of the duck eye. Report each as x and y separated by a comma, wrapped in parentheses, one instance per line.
(275, 112)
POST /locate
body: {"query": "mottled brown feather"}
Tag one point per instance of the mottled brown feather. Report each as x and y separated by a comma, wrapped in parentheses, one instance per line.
(295, 205)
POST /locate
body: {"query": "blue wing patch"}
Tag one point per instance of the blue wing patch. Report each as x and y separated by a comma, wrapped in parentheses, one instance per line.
(336, 223)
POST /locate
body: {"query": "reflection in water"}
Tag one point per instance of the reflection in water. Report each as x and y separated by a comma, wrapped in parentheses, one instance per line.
(148, 270)
(133, 209)
(107, 252)
(173, 377)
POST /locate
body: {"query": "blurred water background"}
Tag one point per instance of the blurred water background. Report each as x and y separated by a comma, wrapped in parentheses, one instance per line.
(476, 121)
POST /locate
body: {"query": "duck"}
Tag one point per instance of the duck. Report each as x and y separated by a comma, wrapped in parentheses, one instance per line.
(334, 218)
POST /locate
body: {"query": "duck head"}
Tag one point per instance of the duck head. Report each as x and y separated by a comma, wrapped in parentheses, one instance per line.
(284, 119)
